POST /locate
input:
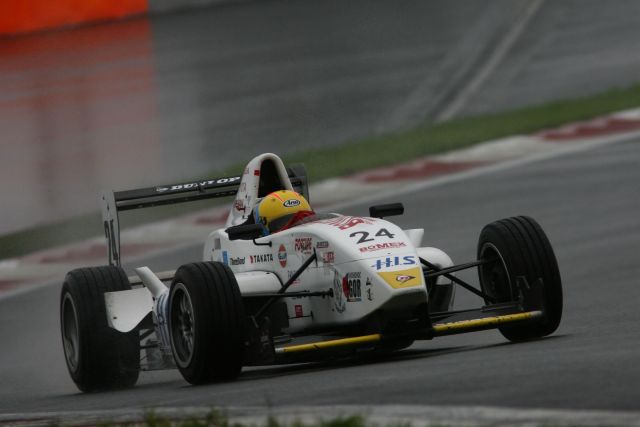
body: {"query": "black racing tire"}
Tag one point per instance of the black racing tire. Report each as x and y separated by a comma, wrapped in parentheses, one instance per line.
(523, 251)
(97, 356)
(206, 323)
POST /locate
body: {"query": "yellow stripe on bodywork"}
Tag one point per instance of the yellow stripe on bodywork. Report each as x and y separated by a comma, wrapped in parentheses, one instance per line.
(487, 321)
(403, 278)
(329, 344)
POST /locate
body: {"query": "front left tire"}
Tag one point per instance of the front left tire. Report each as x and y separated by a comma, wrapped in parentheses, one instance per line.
(206, 323)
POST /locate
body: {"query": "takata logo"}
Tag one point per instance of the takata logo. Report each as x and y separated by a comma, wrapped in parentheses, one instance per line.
(394, 261)
(196, 185)
(291, 203)
(256, 259)
(282, 256)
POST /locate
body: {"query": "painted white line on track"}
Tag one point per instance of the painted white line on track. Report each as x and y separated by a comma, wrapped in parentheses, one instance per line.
(136, 259)
(492, 63)
(381, 415)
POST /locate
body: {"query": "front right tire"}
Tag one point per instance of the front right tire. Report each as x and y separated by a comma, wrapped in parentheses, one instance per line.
(521, 251)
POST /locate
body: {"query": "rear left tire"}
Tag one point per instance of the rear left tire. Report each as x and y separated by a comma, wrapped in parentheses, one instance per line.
(97, 356)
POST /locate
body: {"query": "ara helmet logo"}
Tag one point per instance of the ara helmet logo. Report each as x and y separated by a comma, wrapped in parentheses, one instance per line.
(291, 203)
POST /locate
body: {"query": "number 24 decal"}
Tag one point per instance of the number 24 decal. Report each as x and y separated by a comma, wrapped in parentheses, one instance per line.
(364, 236)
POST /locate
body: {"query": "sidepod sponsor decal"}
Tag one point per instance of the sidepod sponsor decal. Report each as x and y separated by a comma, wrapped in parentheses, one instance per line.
(351, 287)
(369, 289)
(237, 260)
(303, 245)
(328, 257)
(239, 205)
(225, 257)
(395, 261)
(403, 278)
(282, 256)
(260, 258)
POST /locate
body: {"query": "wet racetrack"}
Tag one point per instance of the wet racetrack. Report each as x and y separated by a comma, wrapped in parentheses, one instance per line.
(585, 203)
(145, 102)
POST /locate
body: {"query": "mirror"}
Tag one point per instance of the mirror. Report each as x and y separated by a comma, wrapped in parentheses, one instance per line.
(244, 232)
(391, 209)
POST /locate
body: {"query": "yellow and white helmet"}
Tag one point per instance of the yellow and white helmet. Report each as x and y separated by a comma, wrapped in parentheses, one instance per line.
(276, 209)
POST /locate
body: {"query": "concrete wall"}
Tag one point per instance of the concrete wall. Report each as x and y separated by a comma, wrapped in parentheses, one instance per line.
(175, 5)
(27, 16)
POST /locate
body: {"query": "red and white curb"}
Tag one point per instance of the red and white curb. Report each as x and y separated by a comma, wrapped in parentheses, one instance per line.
(379, 415)
(20, 274)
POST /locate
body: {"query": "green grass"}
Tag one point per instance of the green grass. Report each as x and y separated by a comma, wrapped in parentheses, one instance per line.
(459, 133)
(218, 419)
(367, 153)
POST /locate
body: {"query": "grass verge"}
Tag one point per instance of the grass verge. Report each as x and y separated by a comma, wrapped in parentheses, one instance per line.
(218, 419)
(382, 150)
(437, 138)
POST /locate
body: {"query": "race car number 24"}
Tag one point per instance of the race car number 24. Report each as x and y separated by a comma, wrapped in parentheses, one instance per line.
(364, 236)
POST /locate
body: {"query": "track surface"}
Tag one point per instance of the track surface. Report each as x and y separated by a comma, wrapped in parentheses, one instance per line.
(145, 102)
(587, 203)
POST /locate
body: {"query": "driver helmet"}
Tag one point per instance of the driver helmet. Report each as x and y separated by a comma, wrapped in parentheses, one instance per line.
(278, 210)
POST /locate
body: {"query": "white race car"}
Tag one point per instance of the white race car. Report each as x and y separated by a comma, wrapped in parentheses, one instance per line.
(331, 286)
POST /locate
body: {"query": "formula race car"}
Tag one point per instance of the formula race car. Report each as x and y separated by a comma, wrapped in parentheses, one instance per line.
(322, 286)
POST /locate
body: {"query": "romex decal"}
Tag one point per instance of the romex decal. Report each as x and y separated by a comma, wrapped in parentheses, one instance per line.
(380, 246)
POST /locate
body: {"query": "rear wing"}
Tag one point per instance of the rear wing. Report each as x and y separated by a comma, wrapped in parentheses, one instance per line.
(114, 202)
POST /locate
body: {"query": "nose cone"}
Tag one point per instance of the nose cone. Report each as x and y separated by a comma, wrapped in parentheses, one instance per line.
(398, 271)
